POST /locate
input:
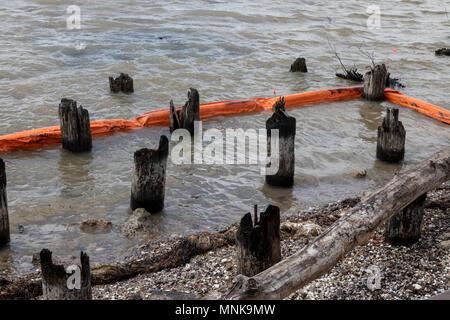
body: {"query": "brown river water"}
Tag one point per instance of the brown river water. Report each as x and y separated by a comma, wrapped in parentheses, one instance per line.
(227, 50)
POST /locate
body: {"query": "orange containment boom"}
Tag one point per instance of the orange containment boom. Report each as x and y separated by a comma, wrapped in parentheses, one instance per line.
(38, 138)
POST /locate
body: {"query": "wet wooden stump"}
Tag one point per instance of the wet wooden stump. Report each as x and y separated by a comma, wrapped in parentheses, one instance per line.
(391, 138)
(191, 110)
(443, 52)
(286, 126)
(149, 180)
(375, 83)
(122, 83)
(258, 243)
(57, 284)
(75, 126)
(299, 65)
(175, 116)
(405, 227)
(189, 113)
(4, 218)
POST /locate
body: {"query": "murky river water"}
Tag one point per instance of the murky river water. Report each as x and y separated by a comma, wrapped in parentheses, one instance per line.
(227, 50)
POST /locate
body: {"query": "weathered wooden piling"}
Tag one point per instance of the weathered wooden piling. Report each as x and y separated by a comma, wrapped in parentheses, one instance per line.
(286, 126)
(75, 126)
(299, 65)
(375, 83)
(190, 112)
(404, 228)
(122, 83)
(149, 180)
(258, 244)
(443, 52)
(391, 138)
(4, 218)
(175, 116)
(57, 284)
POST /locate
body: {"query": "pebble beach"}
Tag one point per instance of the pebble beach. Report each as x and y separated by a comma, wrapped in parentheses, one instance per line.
(420, 271)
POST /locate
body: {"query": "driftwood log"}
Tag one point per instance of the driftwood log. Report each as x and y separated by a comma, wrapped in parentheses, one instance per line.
(122, 83)
(354, 228)
(286, 126)
(149, 179)
(375, 82)
(299, 65)
(57, 284)
(258, 242)
(4, 218)
(75, 126)
(189, 113)
(391, 138)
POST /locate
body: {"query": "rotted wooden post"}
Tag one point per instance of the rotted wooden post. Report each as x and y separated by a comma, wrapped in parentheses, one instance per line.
(75, 126)
(190, 112)
(175, 116)
(258, 244)
(122, 83)
(405, 227)
(299, 65)
(57, 284)
(286, 126)
(149, 180)
(375, 83)
(391, 138)
(4, 218)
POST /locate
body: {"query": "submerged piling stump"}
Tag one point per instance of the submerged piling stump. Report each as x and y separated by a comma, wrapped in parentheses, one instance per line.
(4, 218)
(286, 126)
(404, 228)
(258, 244)
(391, 138)
(122, 83)
(191, 110)
(174, 118)
(57, 284)
(75, 126)
(443, 52)
(189, 113)
(299, 65)
(375, 83)
(149, 179)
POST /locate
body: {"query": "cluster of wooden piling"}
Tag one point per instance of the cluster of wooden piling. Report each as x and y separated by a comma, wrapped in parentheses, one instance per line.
(258, 240)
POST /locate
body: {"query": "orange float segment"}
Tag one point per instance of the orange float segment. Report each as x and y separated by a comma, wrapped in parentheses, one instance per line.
(30, 139)
(335, 94)
(37, 138)
(423, 107)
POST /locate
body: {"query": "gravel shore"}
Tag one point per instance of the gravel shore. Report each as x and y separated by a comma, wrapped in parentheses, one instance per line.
(417, 272)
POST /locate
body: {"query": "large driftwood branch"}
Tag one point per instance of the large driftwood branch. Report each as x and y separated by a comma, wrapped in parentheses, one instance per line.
(354, 228)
